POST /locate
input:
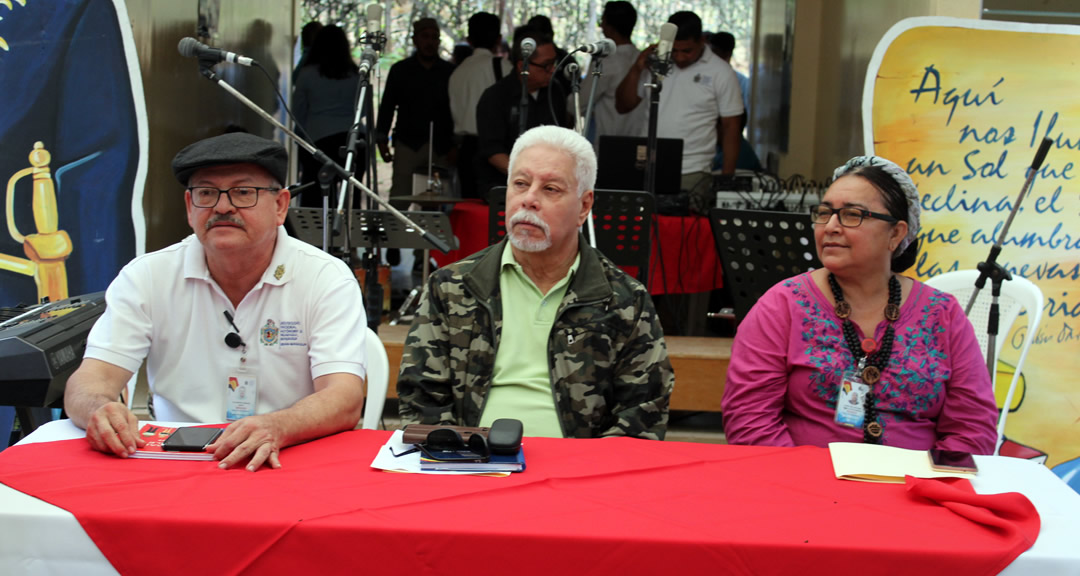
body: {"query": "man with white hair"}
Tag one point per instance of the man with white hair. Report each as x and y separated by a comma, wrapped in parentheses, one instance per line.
(540, 327)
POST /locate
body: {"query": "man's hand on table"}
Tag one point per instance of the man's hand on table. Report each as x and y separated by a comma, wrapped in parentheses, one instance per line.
(114, 429)
(255, 439)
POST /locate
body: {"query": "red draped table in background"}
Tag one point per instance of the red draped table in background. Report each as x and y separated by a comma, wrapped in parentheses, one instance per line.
(606, 506)
(685, 262)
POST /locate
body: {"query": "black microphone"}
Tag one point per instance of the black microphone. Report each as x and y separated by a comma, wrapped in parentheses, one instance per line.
(605, 47)
(570, 71)
(233, 339)
(192, 48)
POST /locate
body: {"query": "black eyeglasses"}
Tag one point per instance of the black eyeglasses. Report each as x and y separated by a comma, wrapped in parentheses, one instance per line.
(239, 196)
(548, 66)
(850, 217)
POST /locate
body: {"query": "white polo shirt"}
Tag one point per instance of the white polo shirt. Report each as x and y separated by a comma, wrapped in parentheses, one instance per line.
(608, 121)
(467, 83)
(304, 319)
(692, 100)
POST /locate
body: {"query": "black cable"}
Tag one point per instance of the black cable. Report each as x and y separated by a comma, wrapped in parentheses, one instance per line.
(551, 102)
(299, 129)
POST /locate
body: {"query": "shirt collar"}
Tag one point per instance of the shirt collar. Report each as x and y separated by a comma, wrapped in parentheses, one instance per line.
(509, 260)
(279, 272)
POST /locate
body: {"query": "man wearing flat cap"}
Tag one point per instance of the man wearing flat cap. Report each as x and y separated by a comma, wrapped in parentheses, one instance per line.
(238, 322)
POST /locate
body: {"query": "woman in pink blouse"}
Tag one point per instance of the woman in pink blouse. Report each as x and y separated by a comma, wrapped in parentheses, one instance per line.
(855, 352)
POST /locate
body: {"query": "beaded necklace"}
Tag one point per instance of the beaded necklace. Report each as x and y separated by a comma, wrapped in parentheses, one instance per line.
(870, 357)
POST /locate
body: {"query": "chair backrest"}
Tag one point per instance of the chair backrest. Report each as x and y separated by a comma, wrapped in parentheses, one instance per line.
(377, 381)
(622, 222)
(1016, 295)
(759, 249)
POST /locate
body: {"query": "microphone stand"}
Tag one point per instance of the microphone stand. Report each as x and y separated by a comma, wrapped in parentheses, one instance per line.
(579, 126)
(345, 193)
(996, 272)
(523, 107)
(658, 70)
(575, 92)
(373, 291)
(319, 155)
(598, 71)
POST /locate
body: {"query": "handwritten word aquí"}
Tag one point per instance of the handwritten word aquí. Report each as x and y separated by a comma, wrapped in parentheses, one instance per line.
(952, 98)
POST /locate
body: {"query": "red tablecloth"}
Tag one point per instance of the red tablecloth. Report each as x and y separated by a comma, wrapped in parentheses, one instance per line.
(689, 263)
(610, 506)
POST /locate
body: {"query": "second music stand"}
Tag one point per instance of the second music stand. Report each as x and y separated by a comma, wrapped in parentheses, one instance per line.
(759, 249)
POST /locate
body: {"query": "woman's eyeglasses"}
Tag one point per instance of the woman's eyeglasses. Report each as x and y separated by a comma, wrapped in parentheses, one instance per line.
(849, 216)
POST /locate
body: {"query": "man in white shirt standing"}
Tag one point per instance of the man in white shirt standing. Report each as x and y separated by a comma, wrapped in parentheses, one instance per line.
(238, 322)
(617, 23)
(700, 103)
(467, 83)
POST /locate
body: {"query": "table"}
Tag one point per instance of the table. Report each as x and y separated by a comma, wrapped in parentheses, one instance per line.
(686, 262)
(698, 508)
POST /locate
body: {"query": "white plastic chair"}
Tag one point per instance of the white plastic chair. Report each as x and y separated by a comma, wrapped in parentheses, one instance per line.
(1016, 294)
(377, 381)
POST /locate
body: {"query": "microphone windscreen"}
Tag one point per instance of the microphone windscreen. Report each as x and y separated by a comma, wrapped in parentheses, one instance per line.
(608, 47)
(374, 15)
(188, 46)
(667, 39)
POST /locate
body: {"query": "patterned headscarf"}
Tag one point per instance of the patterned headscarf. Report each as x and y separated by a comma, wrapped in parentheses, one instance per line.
(906, 185)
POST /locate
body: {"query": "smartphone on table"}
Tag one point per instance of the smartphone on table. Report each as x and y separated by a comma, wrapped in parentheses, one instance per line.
(952, 461)
(191, 439)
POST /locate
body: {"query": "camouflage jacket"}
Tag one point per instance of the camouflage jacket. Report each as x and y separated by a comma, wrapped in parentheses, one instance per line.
(610, 374)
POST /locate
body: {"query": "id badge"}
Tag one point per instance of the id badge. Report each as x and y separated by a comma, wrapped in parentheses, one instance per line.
(850, 400)
(242, 392)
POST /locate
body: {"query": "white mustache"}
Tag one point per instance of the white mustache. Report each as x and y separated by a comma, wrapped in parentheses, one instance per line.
(529, 217)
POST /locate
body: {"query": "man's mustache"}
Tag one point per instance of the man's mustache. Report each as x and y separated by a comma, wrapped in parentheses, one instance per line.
(226, 218)
(529, 217)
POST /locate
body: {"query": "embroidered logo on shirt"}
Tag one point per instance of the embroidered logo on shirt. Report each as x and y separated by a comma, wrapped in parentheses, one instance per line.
(269, 334)
(279, 272)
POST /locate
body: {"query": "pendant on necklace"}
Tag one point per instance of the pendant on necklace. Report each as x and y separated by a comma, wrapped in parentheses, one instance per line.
(871, 375)
(868, 346)
(843, 310)
(874, 429)
(892, 312)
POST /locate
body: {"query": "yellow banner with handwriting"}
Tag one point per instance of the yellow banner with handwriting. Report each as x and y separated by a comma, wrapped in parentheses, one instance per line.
(964, 105)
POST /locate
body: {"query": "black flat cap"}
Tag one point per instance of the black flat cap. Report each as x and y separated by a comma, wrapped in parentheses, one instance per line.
(233, 148)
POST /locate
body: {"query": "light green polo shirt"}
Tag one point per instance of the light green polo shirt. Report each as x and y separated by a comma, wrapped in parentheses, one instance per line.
(521, 386)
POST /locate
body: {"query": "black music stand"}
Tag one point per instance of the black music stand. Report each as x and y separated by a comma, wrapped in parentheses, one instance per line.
(759, 249)
(622, 221)
(373, 227)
